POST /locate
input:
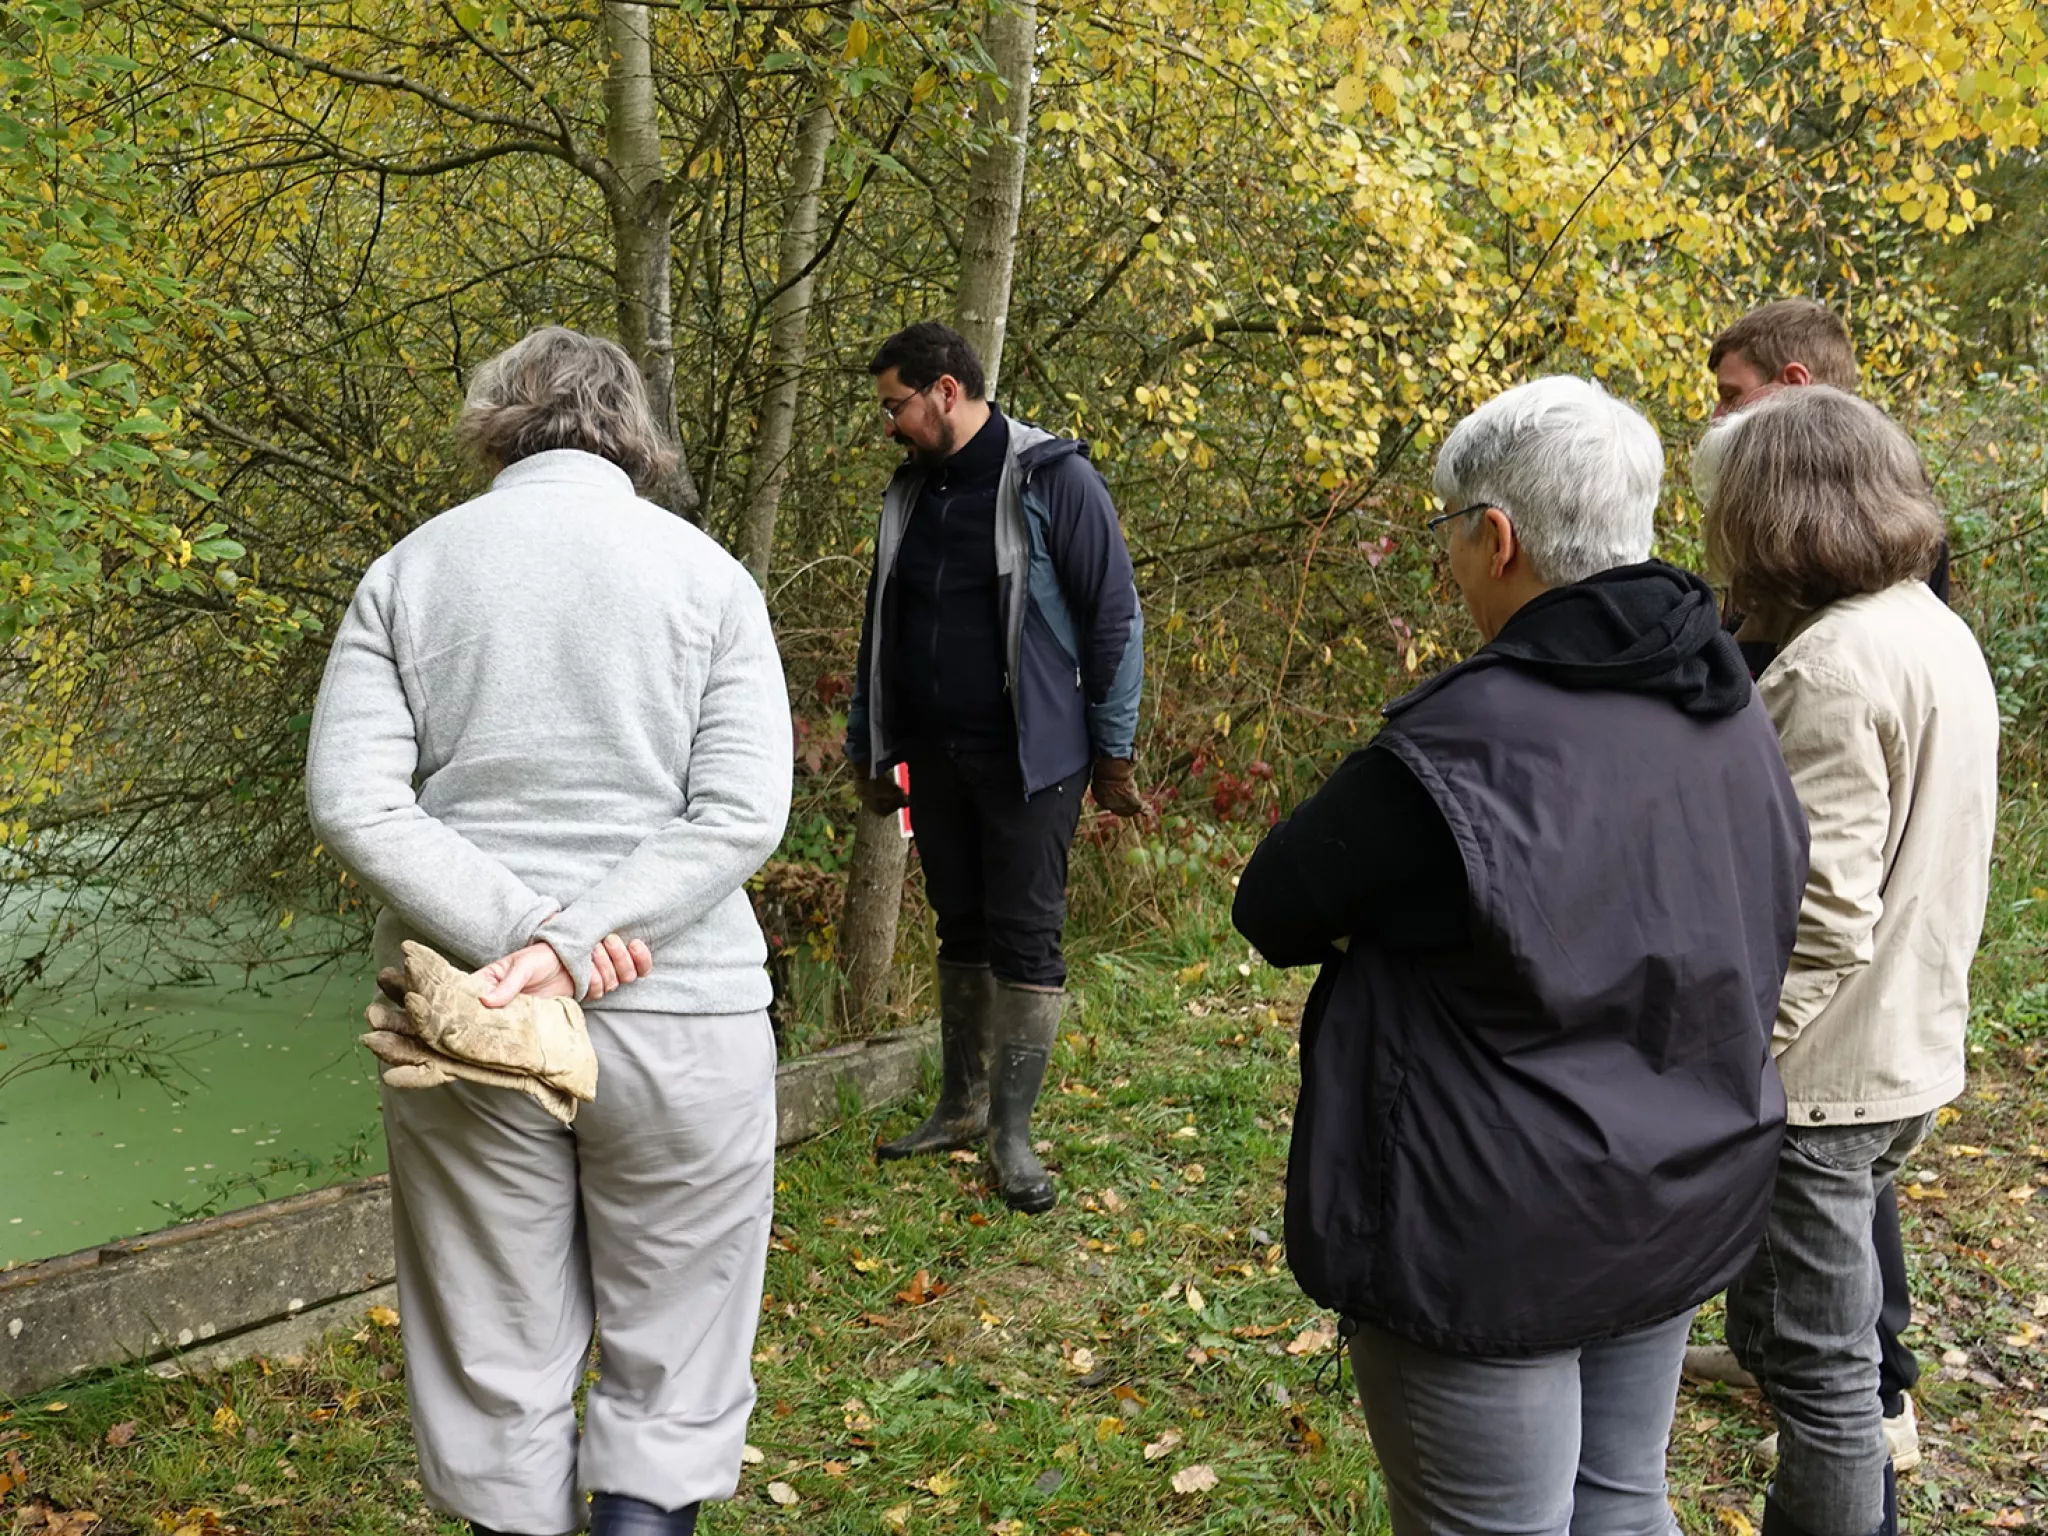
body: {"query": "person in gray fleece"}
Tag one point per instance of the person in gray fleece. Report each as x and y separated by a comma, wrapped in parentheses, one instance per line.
(553, 741)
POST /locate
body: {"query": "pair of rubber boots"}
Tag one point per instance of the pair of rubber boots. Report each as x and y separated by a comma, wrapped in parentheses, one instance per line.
(613, 1514)
(994, 1041)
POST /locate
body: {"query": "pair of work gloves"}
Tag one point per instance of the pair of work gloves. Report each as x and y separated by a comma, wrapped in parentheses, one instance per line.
(1113, 782)
(429, 1026)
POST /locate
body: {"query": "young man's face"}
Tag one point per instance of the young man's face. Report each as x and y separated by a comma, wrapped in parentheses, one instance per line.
(1736, 378)
(920, 419)
(1738, 381)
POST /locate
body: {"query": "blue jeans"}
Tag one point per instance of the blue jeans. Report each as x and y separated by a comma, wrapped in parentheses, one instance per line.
(1564, 1444)
(1802, 1319)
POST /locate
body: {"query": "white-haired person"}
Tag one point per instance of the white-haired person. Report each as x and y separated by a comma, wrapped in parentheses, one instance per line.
(1820, 516)
(553, 741)
(1553, 900)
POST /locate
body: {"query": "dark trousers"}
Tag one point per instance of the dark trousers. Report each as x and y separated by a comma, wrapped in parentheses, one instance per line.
(1897, 1368)
(995, 863)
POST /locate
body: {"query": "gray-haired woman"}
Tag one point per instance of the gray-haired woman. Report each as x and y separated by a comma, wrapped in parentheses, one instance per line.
(1552, 901)
(553, 740)
(1819, 513)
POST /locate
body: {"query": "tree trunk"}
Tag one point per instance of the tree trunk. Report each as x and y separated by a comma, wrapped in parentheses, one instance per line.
(788, 336)
(642, 208)
(995, 195)
(995, 183)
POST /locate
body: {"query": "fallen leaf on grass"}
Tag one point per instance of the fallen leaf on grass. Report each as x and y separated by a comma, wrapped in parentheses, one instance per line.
(2041, 1305)
(856, 1415)
(1081, 1362)
(864, 1265)
(1735, 1522)
(56, 1407)
(897, 1517)
(1010, 1527)
(1195, 1299)
(1167, 1443)
(783, 1494)
(2008, 1520)
(57, 1522)
(121, 1433)
(750, 1455)
(225, 1420)
(1199, 1478)
(2026, 1338)
(2020, 1193)
(962, 1155)
(838, 1468)
(922, 1289)
(1107, 1430)
(1306, 1438)
(1315, 1339)
(383, 1317)
(939, 1484)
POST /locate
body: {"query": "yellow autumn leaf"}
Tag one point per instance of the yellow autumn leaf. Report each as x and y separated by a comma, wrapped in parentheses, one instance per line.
(225, 1420)
(1734, 1522)
(1350, 94)
(383, 1317)
(856, 40)
(1107, 1429)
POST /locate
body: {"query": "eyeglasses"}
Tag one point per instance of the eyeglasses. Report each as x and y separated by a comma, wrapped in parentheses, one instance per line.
(1440, 525)
(891, 412)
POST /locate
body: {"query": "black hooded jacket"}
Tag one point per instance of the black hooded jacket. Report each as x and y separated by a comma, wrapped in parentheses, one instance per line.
(1538, 1105)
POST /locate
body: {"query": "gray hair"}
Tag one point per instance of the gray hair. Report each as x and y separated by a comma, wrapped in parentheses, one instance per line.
(1576, 471)
(559, 388)
(1820, 496)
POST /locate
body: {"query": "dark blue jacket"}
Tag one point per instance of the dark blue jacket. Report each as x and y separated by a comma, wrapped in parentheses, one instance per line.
(1075, 656)
(1559, 1121)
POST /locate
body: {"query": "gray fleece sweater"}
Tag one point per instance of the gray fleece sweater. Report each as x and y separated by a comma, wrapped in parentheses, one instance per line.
(559, 699)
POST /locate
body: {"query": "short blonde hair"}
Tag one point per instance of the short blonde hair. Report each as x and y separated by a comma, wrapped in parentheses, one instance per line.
(559, 388)
(1819, 496)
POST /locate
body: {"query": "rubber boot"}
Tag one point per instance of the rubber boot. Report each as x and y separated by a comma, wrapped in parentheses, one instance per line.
(613, 1514)
(960, 1118)
(1025, 1024)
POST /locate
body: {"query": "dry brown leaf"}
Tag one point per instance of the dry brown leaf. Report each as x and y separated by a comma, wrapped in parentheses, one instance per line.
(1167, 1443)
(922, 1289)
(121, 1433)
(1199, 1478)
(1315, 1339)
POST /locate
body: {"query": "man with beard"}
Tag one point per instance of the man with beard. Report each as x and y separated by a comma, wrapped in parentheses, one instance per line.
(1001, 656)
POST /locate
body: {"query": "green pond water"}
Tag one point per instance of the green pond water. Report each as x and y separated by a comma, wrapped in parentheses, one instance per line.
(281, 1080)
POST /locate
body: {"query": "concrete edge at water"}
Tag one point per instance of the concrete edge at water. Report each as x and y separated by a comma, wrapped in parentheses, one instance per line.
(270, 1279)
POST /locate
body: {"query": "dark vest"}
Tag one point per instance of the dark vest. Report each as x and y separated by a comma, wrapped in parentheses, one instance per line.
(1569, 1129)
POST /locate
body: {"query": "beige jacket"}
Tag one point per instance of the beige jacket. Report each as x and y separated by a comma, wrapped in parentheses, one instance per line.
(1889, 725)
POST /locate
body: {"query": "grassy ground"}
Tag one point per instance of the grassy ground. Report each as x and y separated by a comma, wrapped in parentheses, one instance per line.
(1138, 1360)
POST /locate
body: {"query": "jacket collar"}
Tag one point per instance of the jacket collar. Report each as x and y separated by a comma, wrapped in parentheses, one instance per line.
(564, 466)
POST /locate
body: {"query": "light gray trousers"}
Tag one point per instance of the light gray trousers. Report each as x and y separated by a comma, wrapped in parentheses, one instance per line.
(650, 1218)
(1566, 1444)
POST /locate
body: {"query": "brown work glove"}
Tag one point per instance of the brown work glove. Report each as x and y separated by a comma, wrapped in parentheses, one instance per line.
(540, 1037)
(410, 1062)
(1116, 787)
(882, 796)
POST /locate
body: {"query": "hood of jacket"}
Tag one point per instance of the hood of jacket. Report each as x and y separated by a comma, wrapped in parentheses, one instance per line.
(1648, 629)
